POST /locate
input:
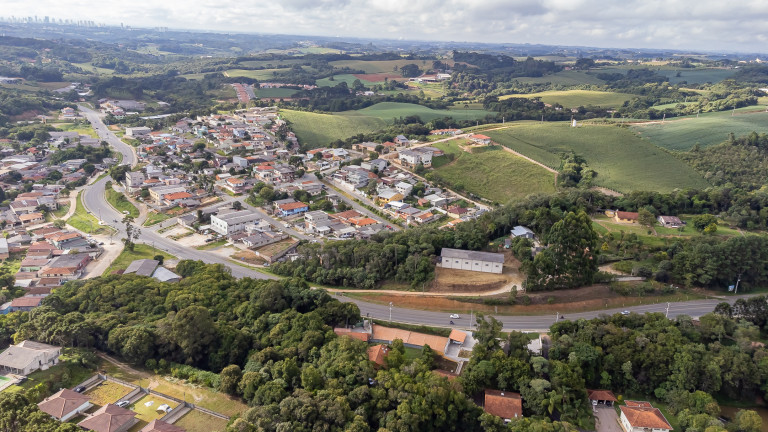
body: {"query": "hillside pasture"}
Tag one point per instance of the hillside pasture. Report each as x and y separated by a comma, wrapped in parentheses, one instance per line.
(623, 161)
(492, 173)
(383, 66)
(575, 98)
(261, 75)
(569, 77)
(691, 76)
(319, 130)
(709, 129)
(327, 82)
(274, 92)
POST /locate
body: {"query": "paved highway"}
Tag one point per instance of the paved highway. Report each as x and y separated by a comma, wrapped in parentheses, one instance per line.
(95, 201)
(528, 322)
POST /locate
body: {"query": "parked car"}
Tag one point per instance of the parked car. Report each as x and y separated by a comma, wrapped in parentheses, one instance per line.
(80, 389)
(626, 312)
(123, 403)
(125, 212)
(455, 316)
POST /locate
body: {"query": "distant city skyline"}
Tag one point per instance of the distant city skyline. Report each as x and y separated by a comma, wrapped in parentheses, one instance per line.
(702, 25)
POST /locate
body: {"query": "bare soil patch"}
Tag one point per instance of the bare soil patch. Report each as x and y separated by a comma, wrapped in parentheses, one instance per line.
(465, 281)
(249, 257)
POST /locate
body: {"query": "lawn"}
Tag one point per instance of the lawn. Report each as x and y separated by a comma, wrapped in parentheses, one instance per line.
(623, 161)
(575, 98)
(149, 413)
(108, 392)
(61, 211)
(84, 221)
(140, 251)
(80, 128)
(493, 173)
(347, 78)
(120, 202)
(66, 374)
(196, 421)
(319, 130)
(154, 217)
(709, 129)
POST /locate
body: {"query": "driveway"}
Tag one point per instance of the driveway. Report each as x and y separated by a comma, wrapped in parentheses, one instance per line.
(606, 419)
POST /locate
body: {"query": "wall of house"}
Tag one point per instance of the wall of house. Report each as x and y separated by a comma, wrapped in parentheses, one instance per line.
(472, 265)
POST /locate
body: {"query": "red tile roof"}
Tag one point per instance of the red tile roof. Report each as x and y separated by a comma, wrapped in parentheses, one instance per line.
(377, 353)
(601, 395)
(643, 415)
(627, 215)
(457, 335)
(62, 403)
(506, 405)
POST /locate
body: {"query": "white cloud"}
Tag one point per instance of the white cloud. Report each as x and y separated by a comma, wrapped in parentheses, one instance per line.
(690, 24)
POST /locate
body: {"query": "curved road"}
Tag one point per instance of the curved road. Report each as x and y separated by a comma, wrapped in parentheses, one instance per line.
(95, 201)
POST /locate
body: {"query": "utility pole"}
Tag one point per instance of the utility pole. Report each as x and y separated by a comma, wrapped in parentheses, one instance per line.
(666, 315)
(390, 312)
(736, 291)
(557, 316)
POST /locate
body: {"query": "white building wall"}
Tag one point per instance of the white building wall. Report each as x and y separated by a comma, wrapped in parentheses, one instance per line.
(472, 265)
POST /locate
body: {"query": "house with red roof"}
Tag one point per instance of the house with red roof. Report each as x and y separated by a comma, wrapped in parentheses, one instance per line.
(293, 208)
(507, 405)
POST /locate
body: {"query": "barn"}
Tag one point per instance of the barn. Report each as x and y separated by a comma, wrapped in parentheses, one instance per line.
(472, 260)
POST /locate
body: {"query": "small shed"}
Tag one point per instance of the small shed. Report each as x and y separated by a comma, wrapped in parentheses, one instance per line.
(601, 397)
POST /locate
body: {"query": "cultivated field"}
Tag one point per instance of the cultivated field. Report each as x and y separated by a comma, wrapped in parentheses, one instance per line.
(366, 79)
(274, 92)
(493, 173)
(321, 129)
(575, 98)
(709, 129)
(623, 161)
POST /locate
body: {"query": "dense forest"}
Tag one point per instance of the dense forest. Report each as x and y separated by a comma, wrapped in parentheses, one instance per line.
(741, 162)
(271, 343)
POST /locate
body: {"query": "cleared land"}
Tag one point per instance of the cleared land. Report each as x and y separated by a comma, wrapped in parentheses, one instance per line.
(493, 173)
(107, 392)
(140, 251)
(623, 161)
(196, 421)
(709, 129)
(575, 98)
(321, 129)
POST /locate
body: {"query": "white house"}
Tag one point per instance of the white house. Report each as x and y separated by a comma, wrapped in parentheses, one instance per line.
(485, 262)
(232, 223)
(642, 417)
(521, 231)
(136, 132)
(28, 356)
(65, 404)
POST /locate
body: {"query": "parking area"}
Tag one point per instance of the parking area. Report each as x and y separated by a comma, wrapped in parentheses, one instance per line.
(606, 419)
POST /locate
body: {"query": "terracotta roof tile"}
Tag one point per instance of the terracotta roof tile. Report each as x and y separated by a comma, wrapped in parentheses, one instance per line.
(506, 405)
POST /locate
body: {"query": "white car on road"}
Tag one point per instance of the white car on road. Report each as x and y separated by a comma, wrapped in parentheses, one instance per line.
(455, 316)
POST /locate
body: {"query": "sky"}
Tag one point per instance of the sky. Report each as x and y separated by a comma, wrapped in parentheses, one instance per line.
(711, 25)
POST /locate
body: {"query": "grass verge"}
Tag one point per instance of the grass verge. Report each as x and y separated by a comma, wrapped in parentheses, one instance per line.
(84, 221)
(120, 202)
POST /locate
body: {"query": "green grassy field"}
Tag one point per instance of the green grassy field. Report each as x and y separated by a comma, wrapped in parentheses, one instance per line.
(623, 161)
(120, 202)
(82, 129)
(575, 98)
(347, 78)
(321, 129)
(85, 222)
(709, 129)
(274, 92)
(154, 217)
(271, 63)
(691, 76)
(493, 173)
(570, 77)
(262, 75)
(107, 392)
(383, 66)
(140, 251)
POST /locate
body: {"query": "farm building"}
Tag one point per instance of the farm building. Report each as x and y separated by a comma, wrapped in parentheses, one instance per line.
(626, 217)
(480, 139)
(642, 417)
(670, 221)
(471, 260)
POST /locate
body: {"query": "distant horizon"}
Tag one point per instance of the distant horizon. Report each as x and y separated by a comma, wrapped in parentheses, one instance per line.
(706, 26)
